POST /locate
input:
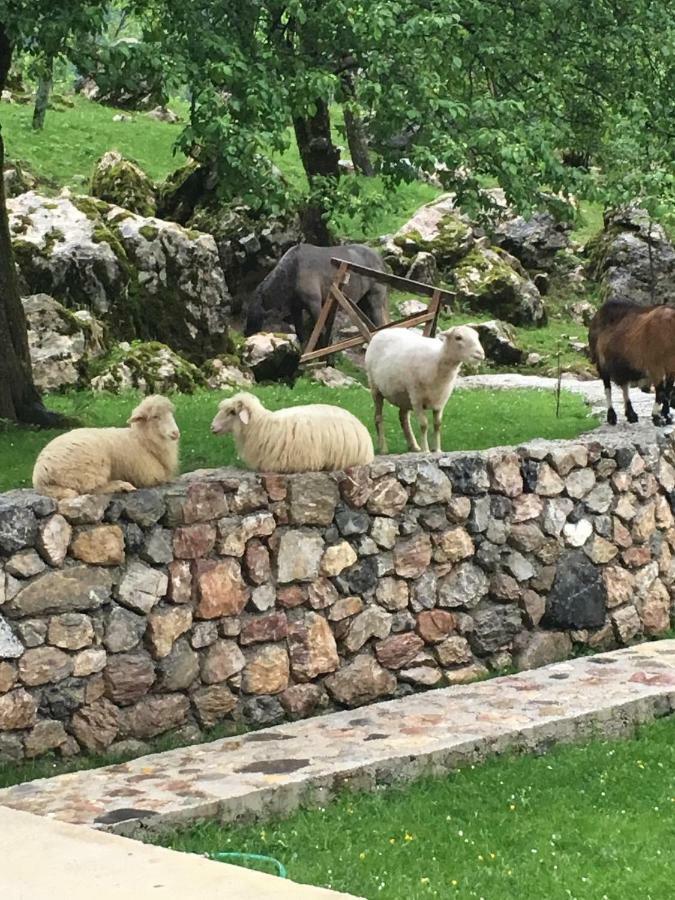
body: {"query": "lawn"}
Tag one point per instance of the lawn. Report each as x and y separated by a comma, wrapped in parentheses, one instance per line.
(474, 419)
(593, 822)
(74, 138)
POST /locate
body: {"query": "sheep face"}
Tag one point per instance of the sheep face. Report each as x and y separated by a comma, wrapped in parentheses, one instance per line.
(154, 418)
(233, 413)
(463, 343)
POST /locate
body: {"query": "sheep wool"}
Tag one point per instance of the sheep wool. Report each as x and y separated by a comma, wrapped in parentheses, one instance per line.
(417, 373)
(312, 438)
(106, 460)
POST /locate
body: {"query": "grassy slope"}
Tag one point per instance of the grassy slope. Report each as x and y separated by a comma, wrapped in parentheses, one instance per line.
(473, 420)
(64, 153)
(589, 822)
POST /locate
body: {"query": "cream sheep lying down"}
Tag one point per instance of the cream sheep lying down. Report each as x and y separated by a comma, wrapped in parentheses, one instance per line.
(310, 438)
(105, 460)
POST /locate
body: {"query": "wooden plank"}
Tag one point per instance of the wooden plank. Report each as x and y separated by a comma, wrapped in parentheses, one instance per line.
(403, 284)
(435, 309)
(351, 311)
(348, 343)
(326, 309)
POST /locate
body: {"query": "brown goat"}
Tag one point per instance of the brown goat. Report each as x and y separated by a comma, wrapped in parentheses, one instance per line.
(630, 344)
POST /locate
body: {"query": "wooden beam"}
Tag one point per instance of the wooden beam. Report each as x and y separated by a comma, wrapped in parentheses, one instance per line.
(435, 309)
(326, 308)
(403, 284)
(351, 311)
(348, 343)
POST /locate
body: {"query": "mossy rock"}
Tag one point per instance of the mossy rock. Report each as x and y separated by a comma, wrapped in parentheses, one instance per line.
(148, 366)
(453, 239)
(122, 182)
(486, 281)
(145, 278)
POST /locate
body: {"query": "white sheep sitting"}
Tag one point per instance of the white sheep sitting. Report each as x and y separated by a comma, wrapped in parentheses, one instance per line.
(105, 460)
(417, 373)
(298, 439)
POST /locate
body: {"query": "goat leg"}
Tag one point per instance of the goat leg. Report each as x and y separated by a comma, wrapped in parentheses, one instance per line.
(631, 415)
(611, 414)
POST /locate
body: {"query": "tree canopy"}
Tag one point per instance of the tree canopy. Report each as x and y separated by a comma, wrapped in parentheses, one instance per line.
(538, 96)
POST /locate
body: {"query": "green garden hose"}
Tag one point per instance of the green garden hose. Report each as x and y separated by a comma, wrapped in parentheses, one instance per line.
(225, 857)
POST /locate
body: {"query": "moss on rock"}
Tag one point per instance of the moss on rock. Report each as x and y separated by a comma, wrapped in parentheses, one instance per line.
(488, 283)
(122, 182)
(149, 366)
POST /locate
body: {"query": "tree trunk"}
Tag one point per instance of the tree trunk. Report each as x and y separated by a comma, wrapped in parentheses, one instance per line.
(42, 96)
(320, 159)
(358, 144)
(19, 398)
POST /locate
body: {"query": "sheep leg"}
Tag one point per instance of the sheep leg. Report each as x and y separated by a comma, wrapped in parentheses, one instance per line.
(438, 419)
(404, 419)
(115, 487)
(631, 415)
(611, 414)
(421, 415)
(378, 401)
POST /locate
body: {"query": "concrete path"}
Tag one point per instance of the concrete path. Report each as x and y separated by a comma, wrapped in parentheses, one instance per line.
(592, 391)
(278, 769)
(46, 860)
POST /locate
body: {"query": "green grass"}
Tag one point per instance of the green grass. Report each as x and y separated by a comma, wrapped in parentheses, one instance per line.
(589, 221)
(474, 419)
(588, 822)
(64, 153)
(73, 139)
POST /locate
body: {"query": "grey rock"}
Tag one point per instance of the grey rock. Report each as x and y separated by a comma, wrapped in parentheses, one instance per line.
(76, 589)
(494, 627)
(158, 547)
(578, 596)
(464, 587)
(10, 646)
(124, 630)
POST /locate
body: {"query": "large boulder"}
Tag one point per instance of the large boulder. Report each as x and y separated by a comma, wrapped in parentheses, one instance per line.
(535, 242)
(272, 357)
(61, 342)
(487, 278)
(499, 342)
(436, 229)
(490, 280)
(122, 182)
(633, 259)
(152, 368)
(144, 277)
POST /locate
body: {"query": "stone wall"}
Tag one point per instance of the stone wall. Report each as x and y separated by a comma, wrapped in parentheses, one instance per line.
(232, 596)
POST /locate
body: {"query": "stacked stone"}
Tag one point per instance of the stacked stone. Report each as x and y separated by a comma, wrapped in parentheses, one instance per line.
(232, 596)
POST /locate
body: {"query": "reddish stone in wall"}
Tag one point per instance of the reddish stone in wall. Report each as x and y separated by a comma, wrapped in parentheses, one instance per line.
(193, 541)
(219, 588)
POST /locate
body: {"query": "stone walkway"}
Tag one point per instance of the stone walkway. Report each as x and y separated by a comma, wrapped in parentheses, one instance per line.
(592, 391)
(276, 770)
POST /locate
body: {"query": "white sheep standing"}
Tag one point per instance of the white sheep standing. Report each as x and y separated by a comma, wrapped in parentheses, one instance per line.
(105, 460)
(310, 438)
(417, 373)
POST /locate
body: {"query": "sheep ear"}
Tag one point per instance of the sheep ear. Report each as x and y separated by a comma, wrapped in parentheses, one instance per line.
(244, 415)
(136, 417)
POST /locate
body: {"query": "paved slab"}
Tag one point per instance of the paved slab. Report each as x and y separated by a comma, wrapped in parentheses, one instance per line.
(52, 861)
(277, 769)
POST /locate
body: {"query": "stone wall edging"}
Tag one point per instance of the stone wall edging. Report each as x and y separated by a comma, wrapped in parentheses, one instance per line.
(229, 595)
